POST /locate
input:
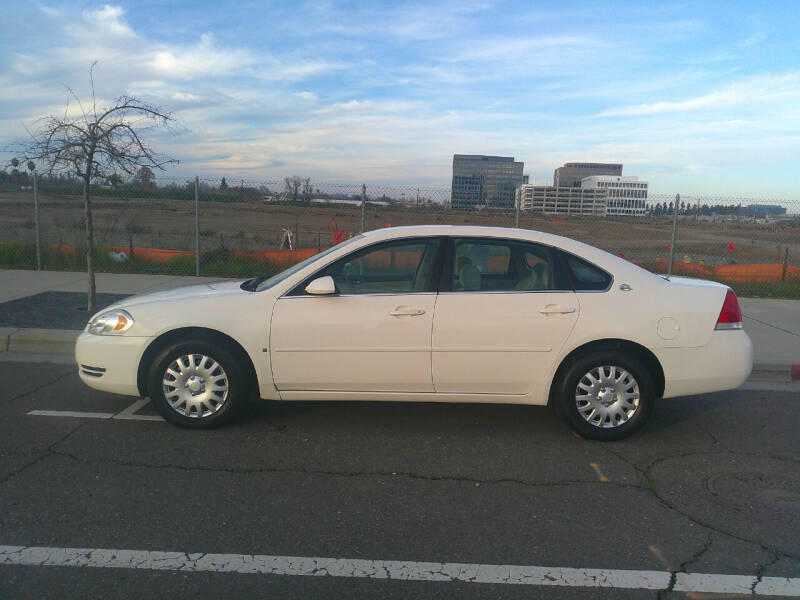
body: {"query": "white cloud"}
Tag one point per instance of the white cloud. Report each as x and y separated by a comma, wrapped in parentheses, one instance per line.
(304, 95)
(201, 59)
(521, 48)
(432, 20)
(753, 91)
(366, 106)
(185, 97)
(105, 23)
(754, 39)
(50, 11)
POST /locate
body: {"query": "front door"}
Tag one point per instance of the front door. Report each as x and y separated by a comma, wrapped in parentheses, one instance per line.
(373, 335)
(507, 314)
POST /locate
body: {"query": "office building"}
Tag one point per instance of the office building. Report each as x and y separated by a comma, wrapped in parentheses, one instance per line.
(624, 195)
(571, 174)
(551, 200)
(485, 181)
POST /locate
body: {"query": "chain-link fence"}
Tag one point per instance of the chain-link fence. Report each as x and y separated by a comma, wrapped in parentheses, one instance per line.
(216, 227)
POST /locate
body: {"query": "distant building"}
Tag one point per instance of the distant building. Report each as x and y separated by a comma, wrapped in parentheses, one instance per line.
(624, 195)
(485, 181)
(571, 174)
(551, 200)
(763, 210)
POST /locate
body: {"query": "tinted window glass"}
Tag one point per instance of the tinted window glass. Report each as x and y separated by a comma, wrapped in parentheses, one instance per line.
(400, 267)
(501, 265)
(586, 276)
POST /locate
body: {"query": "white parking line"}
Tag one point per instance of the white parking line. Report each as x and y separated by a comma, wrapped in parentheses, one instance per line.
(393, 569)
(128, 414)
(70, 413)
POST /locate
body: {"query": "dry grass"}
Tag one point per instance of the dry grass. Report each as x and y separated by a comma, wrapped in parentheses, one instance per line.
(169, 223)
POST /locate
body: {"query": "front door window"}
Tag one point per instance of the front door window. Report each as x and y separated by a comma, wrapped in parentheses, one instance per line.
(397, 267)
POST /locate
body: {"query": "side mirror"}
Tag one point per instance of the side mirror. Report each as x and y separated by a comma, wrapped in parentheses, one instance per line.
(321, 286)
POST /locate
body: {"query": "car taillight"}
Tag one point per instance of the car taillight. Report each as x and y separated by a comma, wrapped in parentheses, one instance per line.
(730, 317)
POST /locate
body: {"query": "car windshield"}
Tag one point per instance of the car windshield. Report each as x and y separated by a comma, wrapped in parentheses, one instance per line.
(264, 282)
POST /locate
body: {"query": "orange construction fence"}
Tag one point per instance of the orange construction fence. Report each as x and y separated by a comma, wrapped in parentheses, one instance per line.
(160, 255)
(735, 272)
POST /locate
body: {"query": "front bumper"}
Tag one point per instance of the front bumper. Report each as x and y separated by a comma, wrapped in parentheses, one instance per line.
(110, 362)
(724, 363)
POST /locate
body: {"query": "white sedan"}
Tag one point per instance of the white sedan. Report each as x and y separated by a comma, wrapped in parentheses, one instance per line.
(429, 313)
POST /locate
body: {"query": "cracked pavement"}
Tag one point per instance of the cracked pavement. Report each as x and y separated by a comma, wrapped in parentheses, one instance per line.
(711, 485)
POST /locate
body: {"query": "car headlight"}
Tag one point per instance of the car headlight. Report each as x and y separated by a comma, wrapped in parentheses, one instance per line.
(113, 322)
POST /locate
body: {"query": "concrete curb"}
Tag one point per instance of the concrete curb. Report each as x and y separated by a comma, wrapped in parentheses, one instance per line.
(776, 369)
(39, 341)
(62, 341)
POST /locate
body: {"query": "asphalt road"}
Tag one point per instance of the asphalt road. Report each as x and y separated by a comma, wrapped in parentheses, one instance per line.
(711, 485)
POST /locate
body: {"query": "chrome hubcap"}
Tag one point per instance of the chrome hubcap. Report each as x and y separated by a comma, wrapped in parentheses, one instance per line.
(607, 396)
(195, 385)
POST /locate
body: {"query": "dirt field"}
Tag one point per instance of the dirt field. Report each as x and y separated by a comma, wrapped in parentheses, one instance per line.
(169, 224)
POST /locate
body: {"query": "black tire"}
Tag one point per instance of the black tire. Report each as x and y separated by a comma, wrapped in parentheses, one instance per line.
(567, 406)
(236, 380)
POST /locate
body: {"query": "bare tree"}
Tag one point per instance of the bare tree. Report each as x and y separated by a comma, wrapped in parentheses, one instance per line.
(293, 185)
(99, 143)
(307, 189)
(144, 179)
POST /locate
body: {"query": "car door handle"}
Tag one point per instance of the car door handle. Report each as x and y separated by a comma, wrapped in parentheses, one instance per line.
(403, 311)
(555, 309)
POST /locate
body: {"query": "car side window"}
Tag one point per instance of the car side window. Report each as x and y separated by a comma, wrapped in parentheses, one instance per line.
(396, 267)
(587, 277)
(503, 265)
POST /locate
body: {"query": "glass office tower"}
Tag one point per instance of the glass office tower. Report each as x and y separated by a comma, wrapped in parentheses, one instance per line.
(489, 181)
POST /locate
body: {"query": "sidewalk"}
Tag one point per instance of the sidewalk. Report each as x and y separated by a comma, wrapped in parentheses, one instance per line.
(773, 325)
(16, 283)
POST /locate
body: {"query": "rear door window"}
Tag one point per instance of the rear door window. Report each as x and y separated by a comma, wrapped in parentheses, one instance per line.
(497, 265)
(587, 277)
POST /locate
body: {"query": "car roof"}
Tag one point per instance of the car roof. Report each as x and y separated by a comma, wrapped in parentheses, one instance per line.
(459, 230)
(388, 233)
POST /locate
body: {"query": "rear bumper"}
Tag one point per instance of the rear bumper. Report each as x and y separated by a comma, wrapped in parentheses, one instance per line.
(724, 363)
(110, 362)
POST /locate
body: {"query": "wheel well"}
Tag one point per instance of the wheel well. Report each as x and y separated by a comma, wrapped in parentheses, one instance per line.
(645, 355)
(162, 341)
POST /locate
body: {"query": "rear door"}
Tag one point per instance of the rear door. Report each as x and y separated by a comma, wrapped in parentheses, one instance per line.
(508, 311)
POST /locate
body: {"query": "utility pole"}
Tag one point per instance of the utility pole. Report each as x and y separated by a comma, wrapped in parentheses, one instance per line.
(36, 217)
(674, 227)
(363, 207)
(197, 226)
(785, 264)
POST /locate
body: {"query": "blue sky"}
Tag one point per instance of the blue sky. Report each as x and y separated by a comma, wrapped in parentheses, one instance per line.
(696, 97)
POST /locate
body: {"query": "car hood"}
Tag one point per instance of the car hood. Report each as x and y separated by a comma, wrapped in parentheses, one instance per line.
(205, 290)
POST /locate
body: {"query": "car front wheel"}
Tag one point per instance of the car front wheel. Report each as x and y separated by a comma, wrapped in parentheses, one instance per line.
(196, 384)
(606, 395)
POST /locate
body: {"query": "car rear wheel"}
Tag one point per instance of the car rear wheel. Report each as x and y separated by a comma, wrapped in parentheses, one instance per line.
(606, 395)
(197, 384)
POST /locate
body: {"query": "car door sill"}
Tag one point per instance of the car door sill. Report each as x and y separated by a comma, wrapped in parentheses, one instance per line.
(296, 395)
